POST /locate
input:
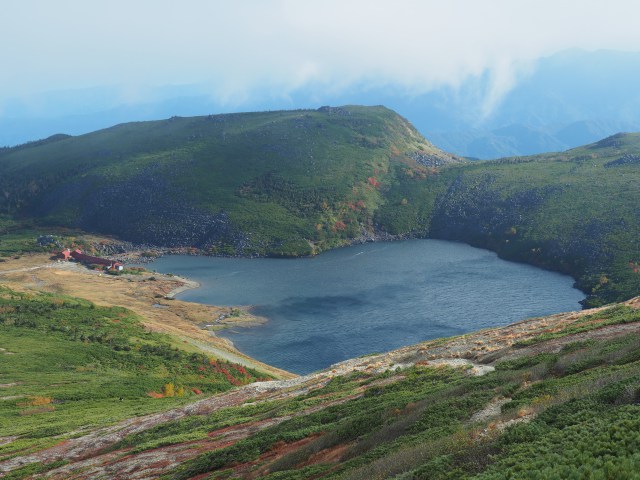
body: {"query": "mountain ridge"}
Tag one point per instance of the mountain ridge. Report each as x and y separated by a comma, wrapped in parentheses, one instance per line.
(570, 98)
(294, 183)
(286, 172)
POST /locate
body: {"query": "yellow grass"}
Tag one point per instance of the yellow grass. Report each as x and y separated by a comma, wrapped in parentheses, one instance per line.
(137, 293)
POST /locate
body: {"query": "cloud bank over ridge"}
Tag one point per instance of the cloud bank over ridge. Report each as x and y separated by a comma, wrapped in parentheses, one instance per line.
(239, 52)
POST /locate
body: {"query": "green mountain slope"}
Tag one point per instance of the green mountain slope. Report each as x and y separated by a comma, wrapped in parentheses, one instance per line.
(68, 365)
(300, 182)
(575, 212)
(279, 183)
(546, 398)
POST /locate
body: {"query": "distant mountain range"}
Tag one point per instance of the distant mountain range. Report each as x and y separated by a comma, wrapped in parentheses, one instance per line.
(568, 99)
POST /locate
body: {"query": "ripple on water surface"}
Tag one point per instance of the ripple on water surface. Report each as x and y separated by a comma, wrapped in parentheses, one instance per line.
(370, 298)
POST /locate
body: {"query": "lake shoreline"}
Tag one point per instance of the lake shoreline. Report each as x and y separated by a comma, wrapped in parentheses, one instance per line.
(328, 309)
(127, 252)
(147, 295)
(188, 284)
(145, 254)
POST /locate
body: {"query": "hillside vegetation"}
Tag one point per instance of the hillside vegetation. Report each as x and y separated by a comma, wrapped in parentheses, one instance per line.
(575, 212)
(87, 391)
(278, 183)
(299, 182)
(549, 398)
(67, 365)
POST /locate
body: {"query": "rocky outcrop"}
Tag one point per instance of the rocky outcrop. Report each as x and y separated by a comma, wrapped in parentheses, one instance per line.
(145, 209)
(627, 159)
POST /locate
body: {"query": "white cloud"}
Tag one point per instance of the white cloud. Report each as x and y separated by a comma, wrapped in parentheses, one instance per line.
(246, 48)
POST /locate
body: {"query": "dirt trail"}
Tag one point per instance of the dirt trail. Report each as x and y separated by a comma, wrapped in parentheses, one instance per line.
(25, 269)
(492, 410)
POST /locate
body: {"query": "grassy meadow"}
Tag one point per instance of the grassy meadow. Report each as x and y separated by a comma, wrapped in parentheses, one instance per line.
(67, 365)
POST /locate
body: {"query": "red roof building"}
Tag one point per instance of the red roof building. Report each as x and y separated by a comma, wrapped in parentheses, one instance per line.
(91, 260)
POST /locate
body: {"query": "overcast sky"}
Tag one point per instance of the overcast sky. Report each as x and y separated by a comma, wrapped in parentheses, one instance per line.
(241, 49)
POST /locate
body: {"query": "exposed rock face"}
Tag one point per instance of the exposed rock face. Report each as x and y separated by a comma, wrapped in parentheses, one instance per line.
(478, 211)
(144, 209)
(433, 161)
(627, 159)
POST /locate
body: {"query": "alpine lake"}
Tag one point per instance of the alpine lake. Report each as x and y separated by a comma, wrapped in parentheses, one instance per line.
(369, 298)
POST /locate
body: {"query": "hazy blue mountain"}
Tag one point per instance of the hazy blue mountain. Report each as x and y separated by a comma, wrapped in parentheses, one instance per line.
(569, 99)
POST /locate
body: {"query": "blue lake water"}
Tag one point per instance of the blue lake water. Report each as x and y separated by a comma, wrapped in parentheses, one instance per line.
(369, 298)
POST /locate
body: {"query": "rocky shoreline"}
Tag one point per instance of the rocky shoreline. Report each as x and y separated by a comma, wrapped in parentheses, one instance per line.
(129, 252)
